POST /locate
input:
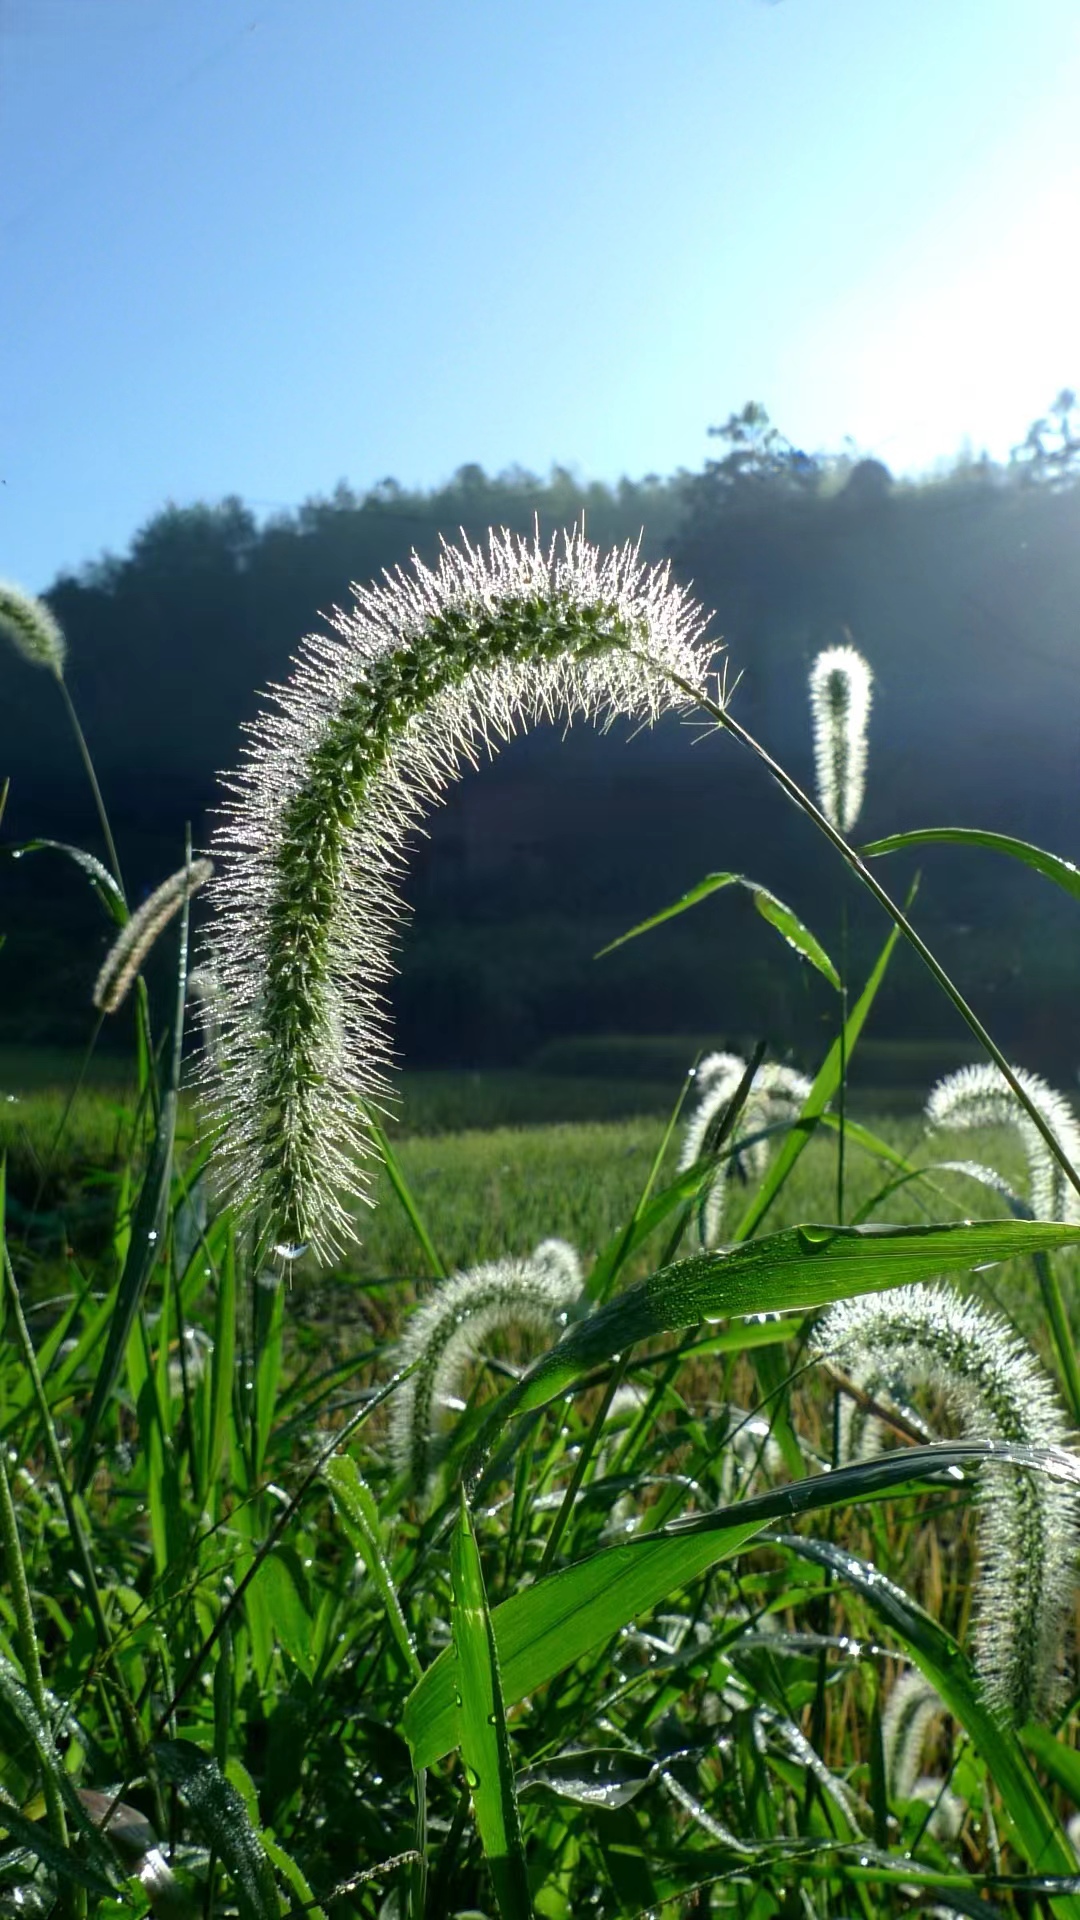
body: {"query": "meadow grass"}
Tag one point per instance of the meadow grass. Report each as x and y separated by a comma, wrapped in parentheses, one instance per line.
(620, 1631)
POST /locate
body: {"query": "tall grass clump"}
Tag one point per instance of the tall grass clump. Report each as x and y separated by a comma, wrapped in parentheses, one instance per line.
(417, 675)
(544, 1578)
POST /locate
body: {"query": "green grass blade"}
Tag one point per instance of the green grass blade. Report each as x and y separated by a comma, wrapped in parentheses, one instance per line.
(485, 1744)
(219, 1812)
(712, 883)
(798, 1268)
(222, 1368)
(404, 1193)
(547, 1627)
(143, 1249)
(791, 928)
(822, 1091)
(778, 915)
(147, 1227)
(102, 881)
(1063, 873)
(356, 1504)
(947, 1670)
(62, 1861)
(610, 1260)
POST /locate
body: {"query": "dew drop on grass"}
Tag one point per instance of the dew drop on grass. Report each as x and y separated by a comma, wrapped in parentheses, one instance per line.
(473, 1779)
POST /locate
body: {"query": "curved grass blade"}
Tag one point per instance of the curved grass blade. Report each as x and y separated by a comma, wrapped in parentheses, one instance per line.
(356, 1503)
(547, 1627)
(592, 1777)
(66, 1864)
(949, 1671)
(485, 1744)
(101, 879)
(610, 1259)
(798, 1268)
(1063, 873)
(220, 1814)
(778, 915)
(404, 1192)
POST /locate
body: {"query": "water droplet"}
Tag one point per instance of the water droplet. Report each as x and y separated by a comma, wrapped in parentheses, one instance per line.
(290, 1250)
(473, 1779)
(152, 1235)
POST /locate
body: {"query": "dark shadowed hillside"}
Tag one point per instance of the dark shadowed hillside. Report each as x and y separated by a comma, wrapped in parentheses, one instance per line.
(963, 594)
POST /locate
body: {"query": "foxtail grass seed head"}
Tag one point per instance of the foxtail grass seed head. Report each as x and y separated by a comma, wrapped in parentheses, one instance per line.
(980, 1096)
(32, 629)
(777, 1096)
(893, 1344)
(445, 1334)
(423, 671)
(910, 1711)
(840, 682)
(134, 941)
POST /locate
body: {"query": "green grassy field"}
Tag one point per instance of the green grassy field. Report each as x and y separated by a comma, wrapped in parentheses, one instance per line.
(495, 1162)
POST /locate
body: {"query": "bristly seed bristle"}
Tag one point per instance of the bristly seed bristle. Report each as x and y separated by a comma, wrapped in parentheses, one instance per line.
(424, 671)
(32, 629)
(840, 683)
(777, 1096)
(931, 1338)
(980, 1096)
(135, 939)
(444, 1334)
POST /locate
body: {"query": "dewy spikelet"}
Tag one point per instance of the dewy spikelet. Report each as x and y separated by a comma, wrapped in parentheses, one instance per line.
(444, 1335)
(32, 629)
(929, 1337)
(840, 682)
(777, 1096)
(912, 1707)
(134, 941)
(980, 1096)
(423, 671)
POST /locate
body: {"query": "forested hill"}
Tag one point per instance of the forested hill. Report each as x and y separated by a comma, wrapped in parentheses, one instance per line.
(964, 594)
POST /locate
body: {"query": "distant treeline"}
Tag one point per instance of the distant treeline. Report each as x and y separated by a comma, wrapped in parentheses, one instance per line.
(963, 591)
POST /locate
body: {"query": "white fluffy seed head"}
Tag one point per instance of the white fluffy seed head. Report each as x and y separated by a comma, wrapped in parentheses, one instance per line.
(923, 1337)
(445, 1333)
(32, 629)
(134, 941)
(840, 683)
(980, 1096)
(776, 1097)
(912, 1707)
(424, 671)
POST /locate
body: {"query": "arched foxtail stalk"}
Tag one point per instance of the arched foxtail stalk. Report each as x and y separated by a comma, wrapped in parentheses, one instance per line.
(422, 672)
(442, 1338)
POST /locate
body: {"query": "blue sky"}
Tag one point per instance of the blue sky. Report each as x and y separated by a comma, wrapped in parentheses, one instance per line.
(256, 246)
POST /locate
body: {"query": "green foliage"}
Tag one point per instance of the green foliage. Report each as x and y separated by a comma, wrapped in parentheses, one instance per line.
(627, 1653)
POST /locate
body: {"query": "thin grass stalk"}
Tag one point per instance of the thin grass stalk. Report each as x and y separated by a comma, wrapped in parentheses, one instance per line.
(873, 886)
(581, 1465)
(277, 1530)
(28, 1646)
(137, 1752)
(88, 767)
